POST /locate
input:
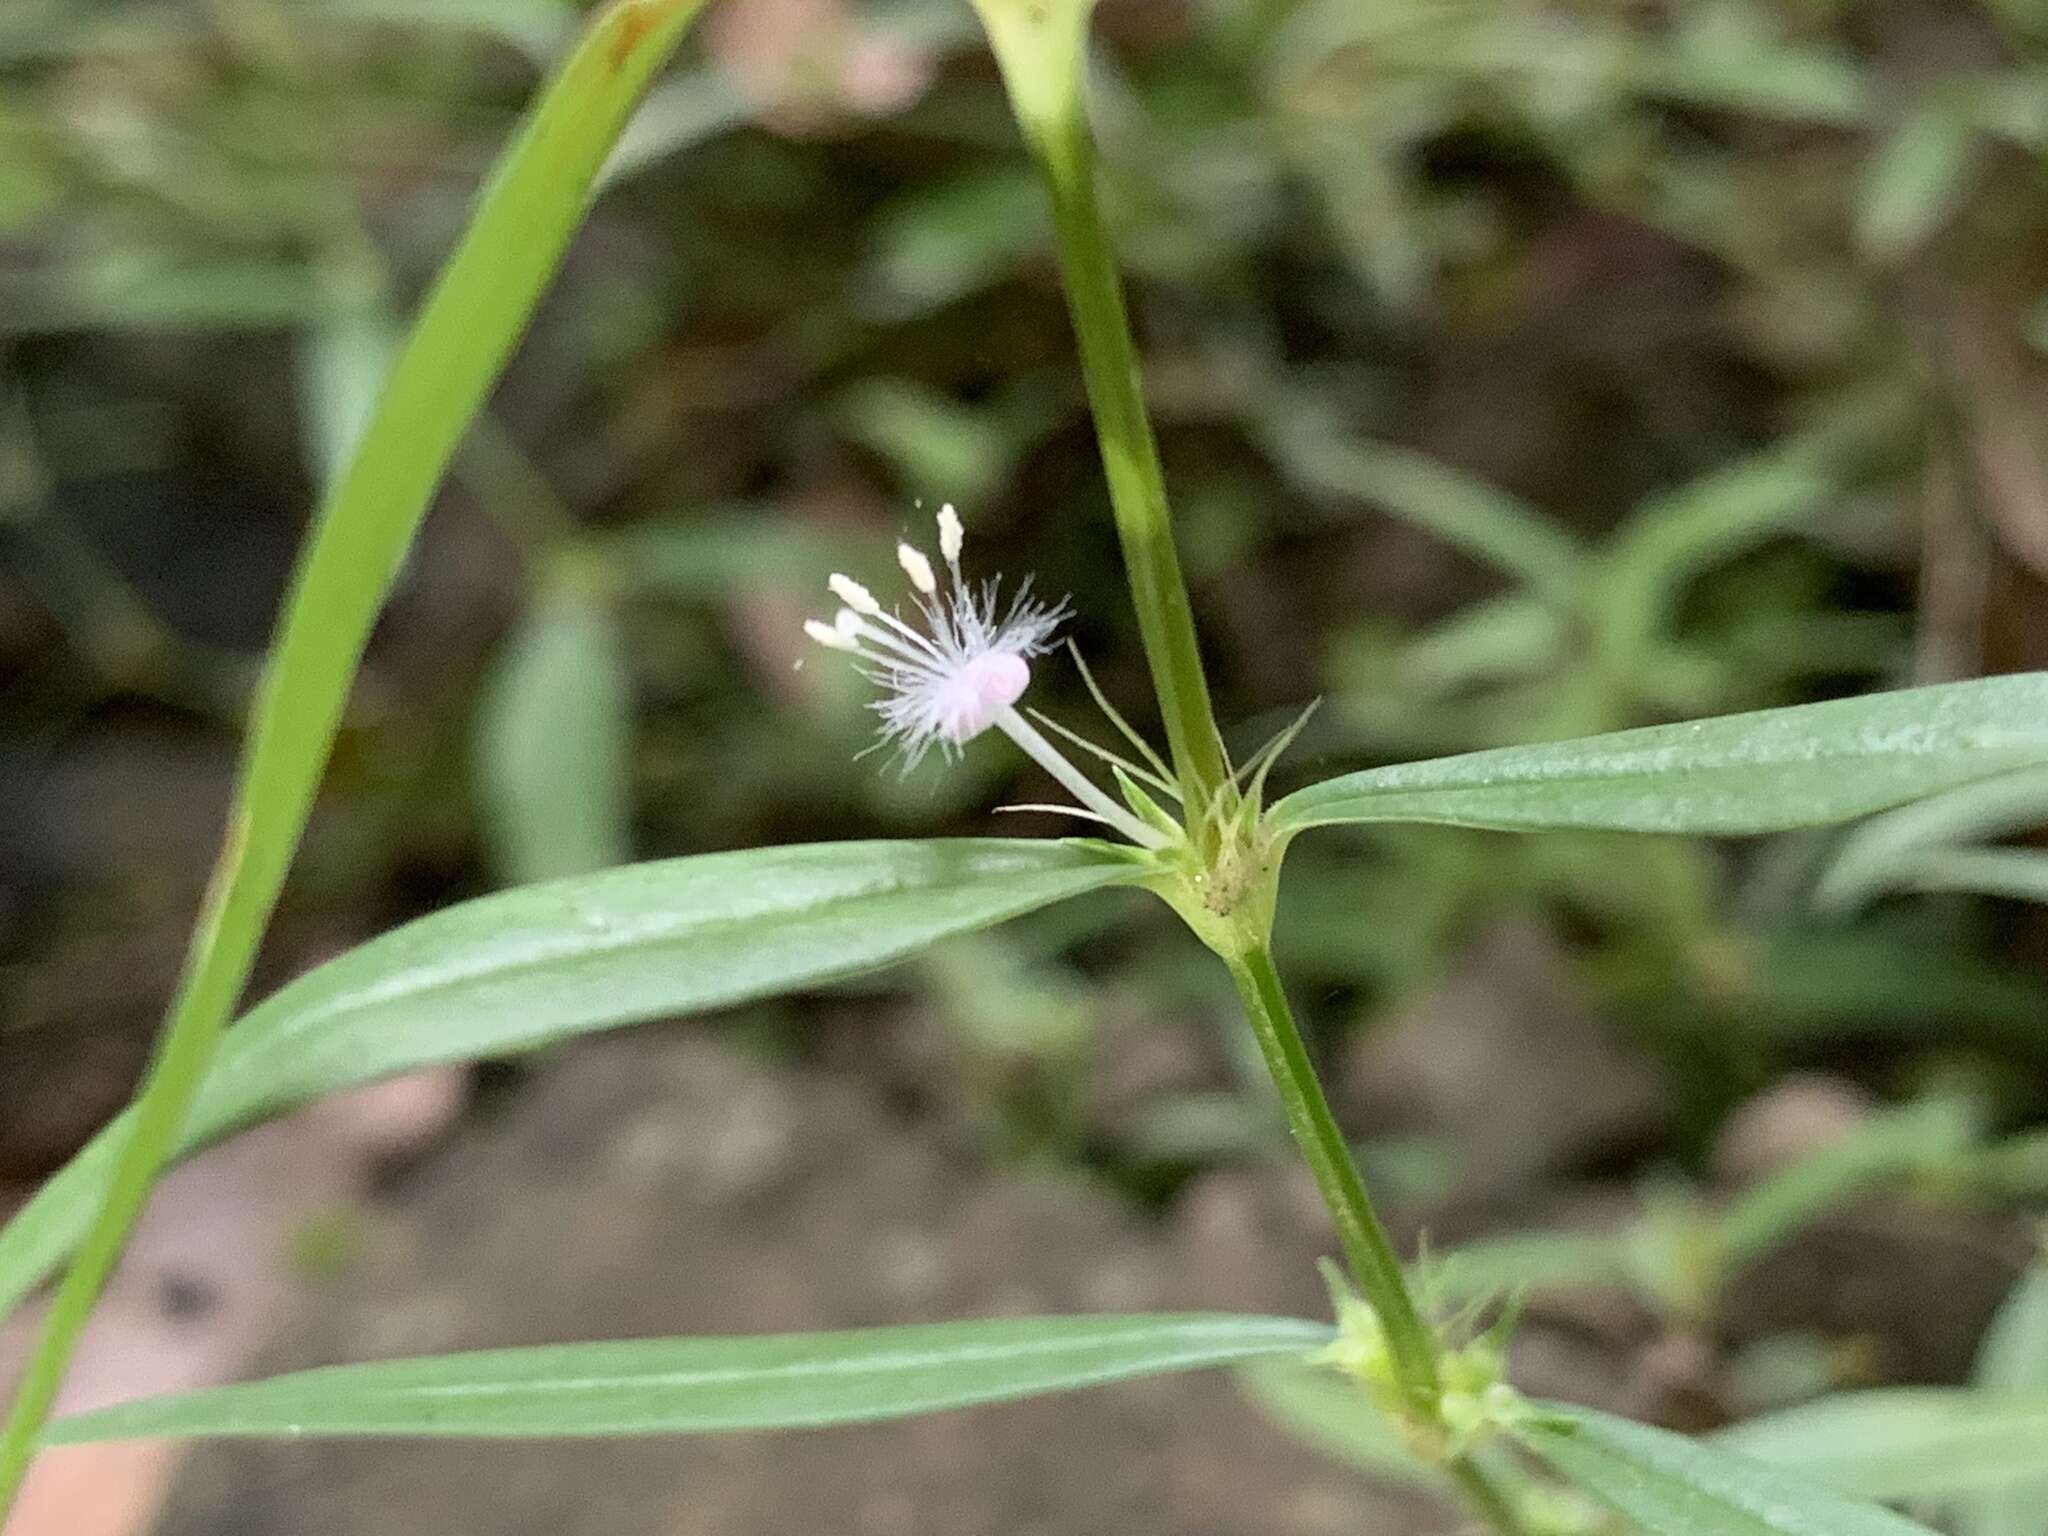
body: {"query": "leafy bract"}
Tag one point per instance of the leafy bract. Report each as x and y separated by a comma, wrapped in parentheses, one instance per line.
(528, 966)
(1760, 772)
(705, 1385)
(1673, 1486)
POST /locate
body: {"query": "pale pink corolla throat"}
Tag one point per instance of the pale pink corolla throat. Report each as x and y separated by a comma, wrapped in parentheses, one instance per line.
(967, 703)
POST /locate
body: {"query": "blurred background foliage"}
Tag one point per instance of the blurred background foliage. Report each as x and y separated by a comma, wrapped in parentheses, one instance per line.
(1523, 368)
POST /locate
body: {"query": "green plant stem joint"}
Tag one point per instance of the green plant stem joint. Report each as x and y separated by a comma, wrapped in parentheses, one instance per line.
(1224, 886)
(1473, 1402)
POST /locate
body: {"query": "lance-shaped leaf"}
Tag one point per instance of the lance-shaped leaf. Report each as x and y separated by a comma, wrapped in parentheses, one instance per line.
(1672, 1486)
(1738, 774)
(2013, 1359)
(553, 742)
(528, 966)
(1328, 1411)
(1929, 843)
(706, 1385)
(467, 328)
(1904, 1442)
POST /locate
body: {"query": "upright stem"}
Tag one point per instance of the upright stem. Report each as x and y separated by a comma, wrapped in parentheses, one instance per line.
(1040, 46)
(1370, 1255)
(1130, 460)
(1484, 1495)
(1373, 1263)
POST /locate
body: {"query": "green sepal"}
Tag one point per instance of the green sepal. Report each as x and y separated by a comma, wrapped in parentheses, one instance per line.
(1144, 806)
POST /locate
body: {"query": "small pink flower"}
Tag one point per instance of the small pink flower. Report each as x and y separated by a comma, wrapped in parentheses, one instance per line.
(964, 670)
(947, 682)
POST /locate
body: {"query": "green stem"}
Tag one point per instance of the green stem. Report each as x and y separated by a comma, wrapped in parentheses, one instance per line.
(1482, 1494)
(1371, 1257)
(1367, 1249)
(1130, 460)
(1040, 46)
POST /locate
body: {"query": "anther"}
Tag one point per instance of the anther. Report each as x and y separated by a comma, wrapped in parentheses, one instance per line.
(826, 635)
(855, 596)
(917, 568)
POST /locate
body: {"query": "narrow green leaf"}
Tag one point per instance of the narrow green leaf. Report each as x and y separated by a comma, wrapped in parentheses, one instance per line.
(1463, 511)
(2019, 874)
(1903, 1442)
(2013, 1358)
(1936, 1130)
(525, 967)
(1773, 80)
(1507, 637)
(706, 1385)
(1881, 854)
(554, 742)
(1329, 1412)
(1737, 774)
(1673, 1486)
(1915, 179)
(467, 328)
(1674, 536)
(1495, 1267)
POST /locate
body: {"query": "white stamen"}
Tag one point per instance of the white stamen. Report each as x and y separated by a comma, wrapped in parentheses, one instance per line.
(920, 645)
(1048, 757)
(871, 642)
(832, 639)
(917, 568)
(854, 595)
(959, 666)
